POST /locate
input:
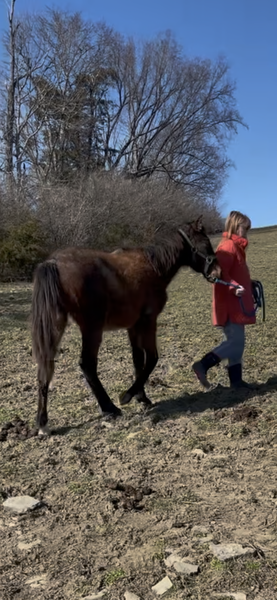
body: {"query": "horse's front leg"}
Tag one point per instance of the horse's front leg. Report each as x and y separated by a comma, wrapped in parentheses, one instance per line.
(147, 340)
(139, 357)
(88, 364)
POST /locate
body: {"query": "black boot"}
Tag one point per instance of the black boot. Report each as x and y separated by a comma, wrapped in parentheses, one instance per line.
(235, 377)
(202, 366)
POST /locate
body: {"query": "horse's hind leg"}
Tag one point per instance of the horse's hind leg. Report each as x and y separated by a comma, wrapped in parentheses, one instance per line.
(88, 364)
(148, 343)
(139, 357)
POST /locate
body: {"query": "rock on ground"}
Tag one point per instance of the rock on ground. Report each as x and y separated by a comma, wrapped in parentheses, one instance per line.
(96, 596)
(37, 581)
(185, 568)
(28, 545)
(227, 551)
(21, 504)
(234, 595)
(130, 596)
(163, 586)
(170, 560)
(199, 530)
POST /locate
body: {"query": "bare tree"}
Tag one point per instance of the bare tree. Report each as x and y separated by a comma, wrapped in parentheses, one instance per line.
(82, 100)
(25, 59)
(68, 97)
(57, 101)
(172, 116)
(10, 118)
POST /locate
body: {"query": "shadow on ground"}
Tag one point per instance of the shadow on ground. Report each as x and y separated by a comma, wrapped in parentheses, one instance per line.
(215, 399)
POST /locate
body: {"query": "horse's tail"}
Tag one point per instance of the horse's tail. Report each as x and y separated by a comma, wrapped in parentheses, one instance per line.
(48, 316)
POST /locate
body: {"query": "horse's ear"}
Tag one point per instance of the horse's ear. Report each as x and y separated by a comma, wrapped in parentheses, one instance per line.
(198, 224)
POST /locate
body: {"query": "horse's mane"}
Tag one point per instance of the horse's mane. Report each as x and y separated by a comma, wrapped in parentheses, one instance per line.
(164, 252)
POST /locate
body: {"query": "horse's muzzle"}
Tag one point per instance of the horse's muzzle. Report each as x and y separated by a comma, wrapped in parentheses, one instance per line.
(214, 272)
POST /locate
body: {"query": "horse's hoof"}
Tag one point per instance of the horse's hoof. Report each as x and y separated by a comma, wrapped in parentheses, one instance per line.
(44, 431)
(125, 398)
(113, 413)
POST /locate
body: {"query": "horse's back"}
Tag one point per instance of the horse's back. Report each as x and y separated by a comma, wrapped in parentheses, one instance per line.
(116, 287)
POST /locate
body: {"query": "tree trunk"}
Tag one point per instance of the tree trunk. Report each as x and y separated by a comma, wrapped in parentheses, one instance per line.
(11, 99)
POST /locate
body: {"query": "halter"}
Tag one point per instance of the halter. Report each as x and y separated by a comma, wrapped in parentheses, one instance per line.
(208, 259)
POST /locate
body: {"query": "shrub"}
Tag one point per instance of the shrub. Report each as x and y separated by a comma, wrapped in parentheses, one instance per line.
(21, 248)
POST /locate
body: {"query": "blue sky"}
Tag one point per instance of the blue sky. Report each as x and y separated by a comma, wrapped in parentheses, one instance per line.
(245, 32)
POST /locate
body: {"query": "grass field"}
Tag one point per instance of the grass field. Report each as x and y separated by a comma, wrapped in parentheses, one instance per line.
(90, 535)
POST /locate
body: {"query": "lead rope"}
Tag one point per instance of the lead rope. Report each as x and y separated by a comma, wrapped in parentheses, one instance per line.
(258, 296)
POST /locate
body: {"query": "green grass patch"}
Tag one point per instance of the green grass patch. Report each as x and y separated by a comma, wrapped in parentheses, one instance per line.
(112, 576)
(217, 565)
(159, 552)
(252, 566)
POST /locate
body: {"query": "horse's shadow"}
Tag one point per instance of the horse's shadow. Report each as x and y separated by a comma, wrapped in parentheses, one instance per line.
(217, 398)
(64, 429)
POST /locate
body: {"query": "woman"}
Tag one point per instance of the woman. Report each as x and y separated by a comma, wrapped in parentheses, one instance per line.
(233, 305)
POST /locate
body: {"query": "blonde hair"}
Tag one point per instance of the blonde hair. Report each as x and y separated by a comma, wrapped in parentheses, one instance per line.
(234, 220)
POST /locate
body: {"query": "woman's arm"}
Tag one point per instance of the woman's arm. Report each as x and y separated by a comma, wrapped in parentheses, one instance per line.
(226, 257)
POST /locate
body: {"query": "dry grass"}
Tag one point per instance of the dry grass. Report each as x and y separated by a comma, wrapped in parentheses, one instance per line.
(88, 540)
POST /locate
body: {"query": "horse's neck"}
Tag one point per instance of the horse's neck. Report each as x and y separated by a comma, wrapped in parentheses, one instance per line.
(174, 269)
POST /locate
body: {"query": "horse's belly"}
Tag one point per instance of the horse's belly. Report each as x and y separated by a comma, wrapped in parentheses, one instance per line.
(122, 316)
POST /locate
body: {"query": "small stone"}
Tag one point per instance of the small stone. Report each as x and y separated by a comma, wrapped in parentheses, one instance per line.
(188, 559)
(185, 568)
(37, 581)
(28, 546)
(133, 434)
(198, 529)
(227, 551)
(95, 596)
(170, 560)
(130, 596)
(108, 425)
(21, 504)
(234, 595)
(198, 452)
(163, 586)
(203, 540)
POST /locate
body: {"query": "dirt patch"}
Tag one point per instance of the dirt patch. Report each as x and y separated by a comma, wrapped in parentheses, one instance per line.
(246, 413)
(130, 498)
(17, 429)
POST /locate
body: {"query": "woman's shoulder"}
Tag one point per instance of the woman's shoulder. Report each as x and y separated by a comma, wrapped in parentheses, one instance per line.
(227, 245)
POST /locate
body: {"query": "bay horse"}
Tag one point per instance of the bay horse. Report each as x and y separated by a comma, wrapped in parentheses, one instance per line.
(102, 291)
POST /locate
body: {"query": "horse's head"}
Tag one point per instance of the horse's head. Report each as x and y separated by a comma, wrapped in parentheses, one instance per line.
(203, 258)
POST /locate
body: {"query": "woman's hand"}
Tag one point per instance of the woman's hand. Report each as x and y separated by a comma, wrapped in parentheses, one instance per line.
(239, 291)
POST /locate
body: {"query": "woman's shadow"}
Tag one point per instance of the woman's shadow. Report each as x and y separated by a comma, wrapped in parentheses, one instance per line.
(216, 398)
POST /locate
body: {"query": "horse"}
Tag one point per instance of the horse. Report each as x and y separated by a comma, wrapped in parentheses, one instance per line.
(102, 291)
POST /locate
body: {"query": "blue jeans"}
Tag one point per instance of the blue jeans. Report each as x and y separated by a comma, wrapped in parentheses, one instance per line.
(232, 346)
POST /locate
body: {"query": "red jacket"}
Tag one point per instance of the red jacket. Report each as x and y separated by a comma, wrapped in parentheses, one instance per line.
(226, 305)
